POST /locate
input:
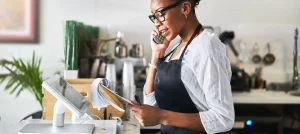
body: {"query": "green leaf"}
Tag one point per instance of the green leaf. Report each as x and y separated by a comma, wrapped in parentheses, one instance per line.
(11, 82)
(5, 62)
(8, 69)
(23, 75)
(15, 88)
(33, 59)
(18, 93)
(23, 67)
(3, 77)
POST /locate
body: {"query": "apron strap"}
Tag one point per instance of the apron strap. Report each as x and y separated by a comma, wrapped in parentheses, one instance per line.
(170, 53)
(191, 39)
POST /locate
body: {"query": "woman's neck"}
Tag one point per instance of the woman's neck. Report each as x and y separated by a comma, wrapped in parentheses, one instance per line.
(189, 29)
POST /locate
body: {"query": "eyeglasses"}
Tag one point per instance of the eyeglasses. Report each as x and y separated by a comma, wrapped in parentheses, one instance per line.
(160, 15)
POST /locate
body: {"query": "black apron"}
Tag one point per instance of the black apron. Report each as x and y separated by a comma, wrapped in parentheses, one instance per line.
(170, 93)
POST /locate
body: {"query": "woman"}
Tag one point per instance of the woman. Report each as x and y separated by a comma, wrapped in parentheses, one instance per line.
(188, 90)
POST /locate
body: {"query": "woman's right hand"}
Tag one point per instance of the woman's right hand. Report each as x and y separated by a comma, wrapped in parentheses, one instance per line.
(158, 48)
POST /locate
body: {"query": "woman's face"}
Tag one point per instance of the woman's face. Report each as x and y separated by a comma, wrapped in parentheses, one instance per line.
(171, 20)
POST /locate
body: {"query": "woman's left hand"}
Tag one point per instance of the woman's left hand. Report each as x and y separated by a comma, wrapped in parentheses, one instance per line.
(147, 115)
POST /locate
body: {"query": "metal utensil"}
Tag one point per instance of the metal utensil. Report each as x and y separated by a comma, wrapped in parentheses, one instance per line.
(295, 65)
(137, 51)
(120, 48)
(226, 38)
(256, 57)
(269, 58)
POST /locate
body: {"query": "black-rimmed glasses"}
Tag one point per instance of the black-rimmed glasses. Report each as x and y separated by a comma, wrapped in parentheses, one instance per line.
(160, 14)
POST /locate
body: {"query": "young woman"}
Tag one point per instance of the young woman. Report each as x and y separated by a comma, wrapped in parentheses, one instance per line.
(187, 90)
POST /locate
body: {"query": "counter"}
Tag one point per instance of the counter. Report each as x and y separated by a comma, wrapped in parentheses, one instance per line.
(258, 96)
(130, 127)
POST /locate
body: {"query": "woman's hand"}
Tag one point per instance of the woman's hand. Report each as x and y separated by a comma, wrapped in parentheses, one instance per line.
(147, 115)
(158, 48)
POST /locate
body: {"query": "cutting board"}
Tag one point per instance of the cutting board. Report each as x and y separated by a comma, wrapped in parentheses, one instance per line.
(82, 86)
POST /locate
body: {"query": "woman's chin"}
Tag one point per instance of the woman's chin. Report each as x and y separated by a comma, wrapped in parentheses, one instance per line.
(170, 37)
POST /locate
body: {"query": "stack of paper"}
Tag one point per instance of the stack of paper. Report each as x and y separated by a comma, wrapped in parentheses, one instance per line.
(99, 95)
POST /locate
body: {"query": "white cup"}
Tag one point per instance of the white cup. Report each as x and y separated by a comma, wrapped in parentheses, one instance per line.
(128, 75)
(128, 93)
(111, 76)
(131, 72)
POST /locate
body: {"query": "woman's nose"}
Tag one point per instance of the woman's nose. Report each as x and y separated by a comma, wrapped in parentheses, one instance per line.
(157, 22)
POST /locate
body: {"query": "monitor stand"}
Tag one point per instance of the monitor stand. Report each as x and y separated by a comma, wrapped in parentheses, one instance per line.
(58, 125)
(43, 128)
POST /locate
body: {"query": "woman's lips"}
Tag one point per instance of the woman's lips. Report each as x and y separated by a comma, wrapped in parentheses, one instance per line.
(164, 32)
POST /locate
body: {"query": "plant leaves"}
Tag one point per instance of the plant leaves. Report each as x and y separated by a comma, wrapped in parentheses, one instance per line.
(10, 83)
(33, 59)
(18, 93)
(23, 75)
(3, 77)
(15, 88)
(8, 69)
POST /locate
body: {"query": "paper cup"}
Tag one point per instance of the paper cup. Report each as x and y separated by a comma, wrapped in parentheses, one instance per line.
(111, 76)
(128, 75)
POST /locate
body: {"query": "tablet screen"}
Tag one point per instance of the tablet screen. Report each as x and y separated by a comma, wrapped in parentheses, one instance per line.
(63, 89)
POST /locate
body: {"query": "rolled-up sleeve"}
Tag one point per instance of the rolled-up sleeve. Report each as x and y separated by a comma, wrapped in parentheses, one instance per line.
(215, 81)
(149, 99)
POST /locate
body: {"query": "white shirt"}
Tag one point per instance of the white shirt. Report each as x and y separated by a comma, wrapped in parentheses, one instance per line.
(206, 74)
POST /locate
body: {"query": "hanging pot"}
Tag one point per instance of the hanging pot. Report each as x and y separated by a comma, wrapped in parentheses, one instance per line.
(269, 57)
(256, 57)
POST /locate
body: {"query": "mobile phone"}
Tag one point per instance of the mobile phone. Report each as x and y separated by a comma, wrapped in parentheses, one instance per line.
(158, 39)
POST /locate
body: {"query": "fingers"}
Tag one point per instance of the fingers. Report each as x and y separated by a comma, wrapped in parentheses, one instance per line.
(137, 114)
(133, 102)
(135, 107)
(156, 29)
(139, 118)
(153, 33)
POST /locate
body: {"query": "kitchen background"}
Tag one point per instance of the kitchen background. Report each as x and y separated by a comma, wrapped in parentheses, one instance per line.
(252, 21)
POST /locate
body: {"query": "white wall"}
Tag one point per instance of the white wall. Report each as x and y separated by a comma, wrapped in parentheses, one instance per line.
(253, 21)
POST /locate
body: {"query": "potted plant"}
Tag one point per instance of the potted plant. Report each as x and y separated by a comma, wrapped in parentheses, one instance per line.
(23, 75)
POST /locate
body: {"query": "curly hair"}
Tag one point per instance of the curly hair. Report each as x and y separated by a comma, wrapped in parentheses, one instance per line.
(195, 3)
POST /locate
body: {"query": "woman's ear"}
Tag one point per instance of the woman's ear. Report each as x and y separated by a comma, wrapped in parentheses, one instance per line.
(186, 8)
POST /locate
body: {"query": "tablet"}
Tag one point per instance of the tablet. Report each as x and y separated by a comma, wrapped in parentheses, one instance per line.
(64, 92)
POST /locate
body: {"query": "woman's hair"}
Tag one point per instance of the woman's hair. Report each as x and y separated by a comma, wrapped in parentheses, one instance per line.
(195, 3)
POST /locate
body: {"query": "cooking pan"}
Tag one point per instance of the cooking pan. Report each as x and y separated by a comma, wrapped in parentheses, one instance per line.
(256, 57)
(269, 58)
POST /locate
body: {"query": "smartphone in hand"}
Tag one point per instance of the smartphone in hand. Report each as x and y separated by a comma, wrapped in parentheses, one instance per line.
(159, 39)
